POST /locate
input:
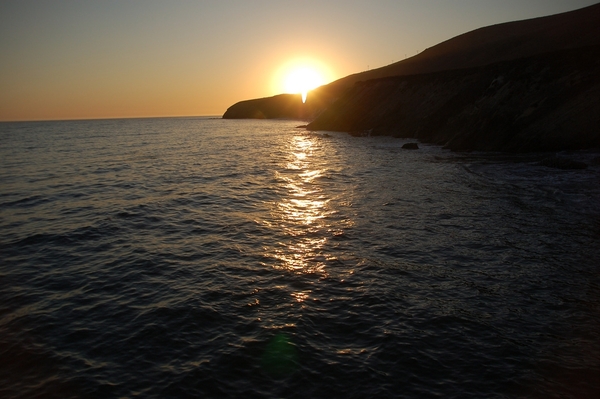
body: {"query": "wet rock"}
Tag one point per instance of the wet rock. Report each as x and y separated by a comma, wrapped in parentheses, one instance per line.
(562, 163)
(410, 146)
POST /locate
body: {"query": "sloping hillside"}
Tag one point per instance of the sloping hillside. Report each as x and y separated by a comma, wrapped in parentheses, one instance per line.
(548, 102)
(491, 44)
(529, 85)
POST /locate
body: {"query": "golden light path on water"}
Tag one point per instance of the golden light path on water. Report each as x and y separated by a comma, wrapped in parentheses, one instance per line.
(303, 209)
(307, 215)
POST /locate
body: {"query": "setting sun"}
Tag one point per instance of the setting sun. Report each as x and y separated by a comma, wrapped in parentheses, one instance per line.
(300, 76)
(301, 80)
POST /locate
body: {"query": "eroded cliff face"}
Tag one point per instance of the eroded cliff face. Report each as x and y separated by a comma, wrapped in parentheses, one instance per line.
(288, 106)
(544, 103)
(477, 48)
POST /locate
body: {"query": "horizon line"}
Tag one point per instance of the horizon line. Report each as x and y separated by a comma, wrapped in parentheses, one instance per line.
(111, 118)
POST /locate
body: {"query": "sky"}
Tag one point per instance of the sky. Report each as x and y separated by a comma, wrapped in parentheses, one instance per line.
(112, 59)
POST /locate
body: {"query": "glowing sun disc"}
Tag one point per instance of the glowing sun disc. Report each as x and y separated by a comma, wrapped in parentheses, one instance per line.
(302, 80)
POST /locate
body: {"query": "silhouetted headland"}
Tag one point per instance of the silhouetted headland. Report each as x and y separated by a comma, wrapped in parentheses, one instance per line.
(521, 86)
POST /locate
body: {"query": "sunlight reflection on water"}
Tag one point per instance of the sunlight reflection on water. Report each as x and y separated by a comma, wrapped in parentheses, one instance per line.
(252, 259)
(302, 210)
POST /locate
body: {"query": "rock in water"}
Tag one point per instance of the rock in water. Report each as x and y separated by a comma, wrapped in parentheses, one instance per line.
(562, 163)
(410, 146)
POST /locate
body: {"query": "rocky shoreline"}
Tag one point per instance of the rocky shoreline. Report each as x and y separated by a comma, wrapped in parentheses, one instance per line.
(523, 86)
(543, 103)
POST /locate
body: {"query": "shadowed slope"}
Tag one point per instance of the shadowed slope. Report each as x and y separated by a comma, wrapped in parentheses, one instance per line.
(528, 85)
(491, 44)
(548, 102)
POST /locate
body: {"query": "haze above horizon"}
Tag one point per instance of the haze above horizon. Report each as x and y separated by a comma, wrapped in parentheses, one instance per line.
(113, 59)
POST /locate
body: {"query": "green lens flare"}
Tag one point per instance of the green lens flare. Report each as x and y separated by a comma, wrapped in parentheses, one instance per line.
(280, 356)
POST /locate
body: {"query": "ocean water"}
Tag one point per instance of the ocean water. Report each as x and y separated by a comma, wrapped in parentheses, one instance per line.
(209, 258)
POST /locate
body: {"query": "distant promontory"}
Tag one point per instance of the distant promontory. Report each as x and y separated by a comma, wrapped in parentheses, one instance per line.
(522, 86)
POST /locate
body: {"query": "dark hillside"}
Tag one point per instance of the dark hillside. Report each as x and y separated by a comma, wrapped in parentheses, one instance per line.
(543, 103)
(492, 44)
(519, 86)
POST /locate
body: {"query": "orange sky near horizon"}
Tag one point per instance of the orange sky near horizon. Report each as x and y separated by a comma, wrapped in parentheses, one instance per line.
(114, 59)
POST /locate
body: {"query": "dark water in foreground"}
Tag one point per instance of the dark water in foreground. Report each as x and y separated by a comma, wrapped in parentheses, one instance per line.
(191, 258)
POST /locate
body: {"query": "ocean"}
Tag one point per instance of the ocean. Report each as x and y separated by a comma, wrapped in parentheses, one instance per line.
(210, 258)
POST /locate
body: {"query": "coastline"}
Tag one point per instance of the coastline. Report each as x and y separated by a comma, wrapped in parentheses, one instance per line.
(522, 86)
(542, 103)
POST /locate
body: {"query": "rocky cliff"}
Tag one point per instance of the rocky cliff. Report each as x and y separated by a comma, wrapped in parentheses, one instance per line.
(544, 103)
(491, 44)
(288, 106)
(520, 86)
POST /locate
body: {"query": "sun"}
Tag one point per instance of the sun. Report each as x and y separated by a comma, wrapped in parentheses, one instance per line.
(302, 80)
(300, 76)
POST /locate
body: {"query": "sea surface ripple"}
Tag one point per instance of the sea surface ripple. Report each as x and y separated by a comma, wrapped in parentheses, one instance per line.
(197, 257)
